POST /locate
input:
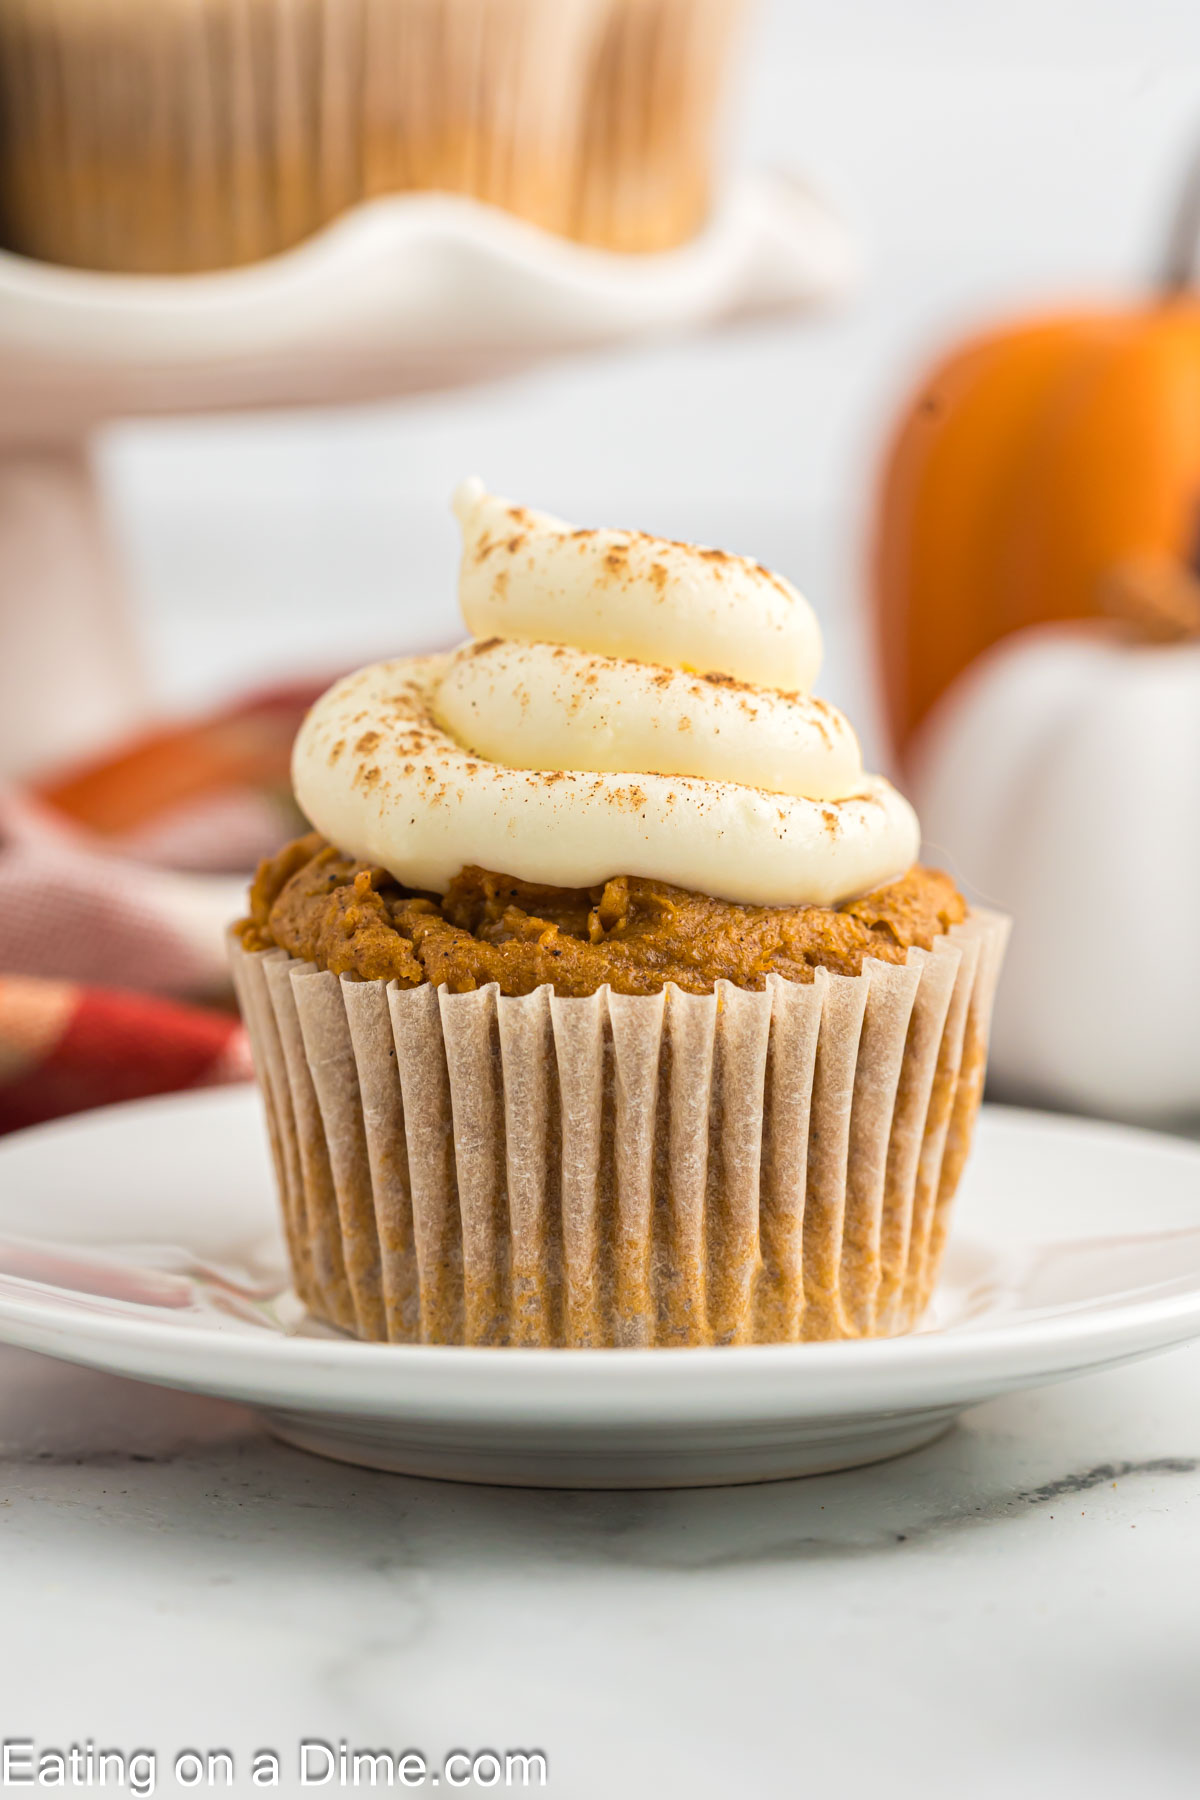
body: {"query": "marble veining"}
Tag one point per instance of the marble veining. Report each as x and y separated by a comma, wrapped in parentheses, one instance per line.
(1015, 1601)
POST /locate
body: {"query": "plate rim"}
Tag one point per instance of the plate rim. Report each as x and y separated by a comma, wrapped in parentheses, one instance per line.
(896, 1372)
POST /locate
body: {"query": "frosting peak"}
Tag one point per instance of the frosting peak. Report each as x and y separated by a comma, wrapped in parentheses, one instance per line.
(627, 706)
(530, 576)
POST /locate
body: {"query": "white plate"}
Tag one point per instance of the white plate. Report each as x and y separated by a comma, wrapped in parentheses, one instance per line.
(142, 1240)
(402, 294)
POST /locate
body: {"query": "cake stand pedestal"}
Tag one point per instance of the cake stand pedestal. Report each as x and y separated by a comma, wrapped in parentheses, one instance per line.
(72, 674)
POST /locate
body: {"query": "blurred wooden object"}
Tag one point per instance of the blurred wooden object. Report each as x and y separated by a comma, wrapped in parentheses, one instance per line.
(157, 136)
(1157, 599)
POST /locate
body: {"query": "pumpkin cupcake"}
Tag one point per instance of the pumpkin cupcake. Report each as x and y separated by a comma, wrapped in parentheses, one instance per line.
(607, 1004)
(181, 135)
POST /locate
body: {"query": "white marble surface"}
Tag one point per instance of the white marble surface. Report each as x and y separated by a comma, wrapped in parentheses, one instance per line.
(1010, 1611)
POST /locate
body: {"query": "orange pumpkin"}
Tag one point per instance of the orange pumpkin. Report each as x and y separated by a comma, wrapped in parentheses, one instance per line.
(1028, 467)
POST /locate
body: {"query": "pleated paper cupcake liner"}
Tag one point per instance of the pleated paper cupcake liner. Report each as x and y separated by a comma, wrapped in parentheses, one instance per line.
(677, 1169)
(179, 135)
(645, 174)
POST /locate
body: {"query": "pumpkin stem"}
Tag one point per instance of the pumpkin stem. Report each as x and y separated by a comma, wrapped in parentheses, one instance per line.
(1156, 597)
(1179, 263)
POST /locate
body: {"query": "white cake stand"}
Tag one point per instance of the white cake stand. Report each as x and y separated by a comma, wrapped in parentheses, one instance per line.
(402, 295)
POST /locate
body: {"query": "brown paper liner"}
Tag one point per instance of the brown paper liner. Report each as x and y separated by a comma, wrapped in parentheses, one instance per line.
(647, 130)
(678, 1169)
(178, 135)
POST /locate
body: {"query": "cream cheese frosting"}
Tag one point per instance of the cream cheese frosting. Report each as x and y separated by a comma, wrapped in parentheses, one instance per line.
(627, 705)
(547, 706)
(529, 576)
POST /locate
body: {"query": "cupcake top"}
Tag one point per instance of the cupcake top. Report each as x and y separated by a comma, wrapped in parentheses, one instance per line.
(626, 705)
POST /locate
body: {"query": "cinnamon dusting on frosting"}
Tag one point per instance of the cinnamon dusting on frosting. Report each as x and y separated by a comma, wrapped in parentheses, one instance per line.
(629, 702)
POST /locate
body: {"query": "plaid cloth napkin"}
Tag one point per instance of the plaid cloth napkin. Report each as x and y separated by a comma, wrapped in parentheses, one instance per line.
(118, 881)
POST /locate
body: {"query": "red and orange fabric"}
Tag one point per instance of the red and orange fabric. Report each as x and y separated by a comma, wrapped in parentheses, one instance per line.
(65, 1047)
(117, 882)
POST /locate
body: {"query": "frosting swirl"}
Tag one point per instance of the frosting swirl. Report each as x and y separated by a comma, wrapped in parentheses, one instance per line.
(627, 706)
(529, 576)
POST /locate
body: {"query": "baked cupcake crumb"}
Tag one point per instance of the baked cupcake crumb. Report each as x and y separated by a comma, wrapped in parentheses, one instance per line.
(636, 935)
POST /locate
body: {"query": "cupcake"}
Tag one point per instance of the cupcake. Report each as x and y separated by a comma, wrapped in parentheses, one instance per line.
(181, 135)
(643, 168)
(606, 1003)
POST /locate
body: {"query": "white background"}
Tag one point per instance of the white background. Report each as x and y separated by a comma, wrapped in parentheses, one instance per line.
(989, 157)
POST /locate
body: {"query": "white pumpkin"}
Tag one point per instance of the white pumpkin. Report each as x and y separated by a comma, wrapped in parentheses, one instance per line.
(1059, 779)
